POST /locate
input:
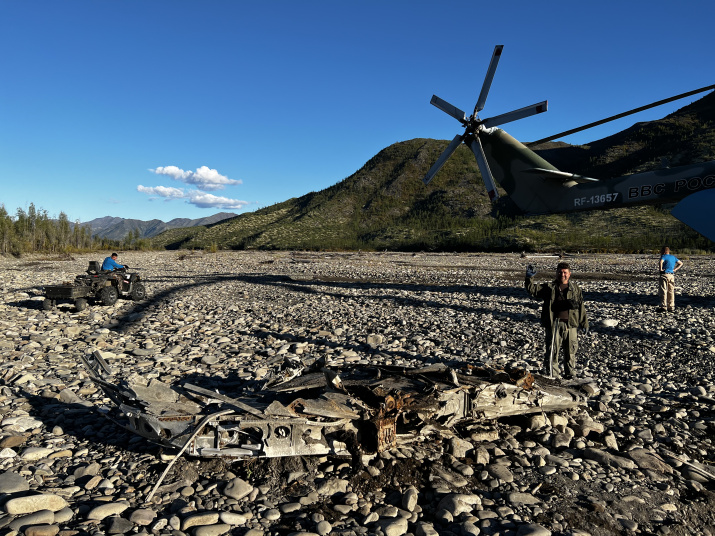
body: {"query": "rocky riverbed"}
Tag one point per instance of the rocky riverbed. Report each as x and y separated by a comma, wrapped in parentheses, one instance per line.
(637, 459)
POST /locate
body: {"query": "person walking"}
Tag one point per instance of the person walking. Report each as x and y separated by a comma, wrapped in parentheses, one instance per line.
(668, 265)
(562, 313)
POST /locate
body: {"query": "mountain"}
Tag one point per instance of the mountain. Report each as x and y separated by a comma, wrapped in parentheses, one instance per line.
(117, 228)
(384, 205)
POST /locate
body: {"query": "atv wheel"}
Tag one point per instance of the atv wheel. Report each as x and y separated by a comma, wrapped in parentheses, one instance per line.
(138, 292)
(108, 295)
(80, 304)
(47, 304)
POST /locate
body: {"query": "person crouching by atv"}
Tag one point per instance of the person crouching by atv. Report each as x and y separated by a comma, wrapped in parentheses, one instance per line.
(563, 311)
(110, 263)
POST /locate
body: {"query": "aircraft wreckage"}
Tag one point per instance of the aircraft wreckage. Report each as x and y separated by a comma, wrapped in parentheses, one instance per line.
(308, 409)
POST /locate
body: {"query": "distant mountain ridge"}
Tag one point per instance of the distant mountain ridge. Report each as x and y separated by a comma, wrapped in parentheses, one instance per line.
(115, 228)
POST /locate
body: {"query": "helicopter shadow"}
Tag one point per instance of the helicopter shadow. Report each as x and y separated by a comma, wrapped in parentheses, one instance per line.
(473, 299)
(334, 288)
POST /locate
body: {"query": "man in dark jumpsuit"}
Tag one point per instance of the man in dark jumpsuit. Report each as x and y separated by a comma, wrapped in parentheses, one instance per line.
(563, 311)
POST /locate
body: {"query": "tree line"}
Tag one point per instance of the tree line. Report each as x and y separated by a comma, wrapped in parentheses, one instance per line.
(32, 230)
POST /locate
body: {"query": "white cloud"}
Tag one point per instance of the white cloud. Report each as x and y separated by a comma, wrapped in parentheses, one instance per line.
(162, 191)
(204, 178)
(204, 200)
(193, 197)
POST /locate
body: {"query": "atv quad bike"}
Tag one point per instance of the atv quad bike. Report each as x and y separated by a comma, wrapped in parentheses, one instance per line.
(102, 286)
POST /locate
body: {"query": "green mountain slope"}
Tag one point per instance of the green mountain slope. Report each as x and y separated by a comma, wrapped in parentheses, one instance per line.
(384, 205)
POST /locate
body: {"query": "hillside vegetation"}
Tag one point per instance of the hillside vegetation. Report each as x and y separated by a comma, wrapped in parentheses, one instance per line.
(384, 205)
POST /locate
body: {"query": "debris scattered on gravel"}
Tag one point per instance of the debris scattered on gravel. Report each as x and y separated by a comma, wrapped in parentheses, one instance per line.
(637, 458)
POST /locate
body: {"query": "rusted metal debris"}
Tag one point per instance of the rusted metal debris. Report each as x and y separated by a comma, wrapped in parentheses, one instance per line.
(305, 408)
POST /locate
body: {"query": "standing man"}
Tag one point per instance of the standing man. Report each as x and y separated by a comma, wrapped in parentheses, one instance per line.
(562, 313)
(669, 264)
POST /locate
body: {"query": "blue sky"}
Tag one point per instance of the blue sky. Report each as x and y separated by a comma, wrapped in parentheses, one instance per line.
(177, 109)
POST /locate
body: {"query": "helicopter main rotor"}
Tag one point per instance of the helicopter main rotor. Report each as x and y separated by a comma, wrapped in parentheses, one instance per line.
(474, 126)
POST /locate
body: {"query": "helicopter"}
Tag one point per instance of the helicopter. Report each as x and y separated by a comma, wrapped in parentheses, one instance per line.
(537, 187)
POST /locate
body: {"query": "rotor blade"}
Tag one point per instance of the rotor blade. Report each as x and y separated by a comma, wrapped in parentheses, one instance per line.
(624, 114)
(481, 101)
(516, 114)
(478, 151)
(443, 158)
(446, 107)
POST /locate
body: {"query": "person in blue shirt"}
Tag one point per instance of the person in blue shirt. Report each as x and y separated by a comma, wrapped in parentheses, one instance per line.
(110, 263)
(669, 264)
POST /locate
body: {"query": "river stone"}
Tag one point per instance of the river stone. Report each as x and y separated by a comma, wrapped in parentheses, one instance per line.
(533, 529)
(458, 503)
(212, 530)
(233, 518)
(333, 486)
(460, 448)
(538, 421)
(273, 514)
(451, 478)
(204, 518)
(105, 510)
(523, 498)
(36, 453)
(409, 499)
(323, 528)
(7, 453)
(91, 469)
(287, 508)
(70, 397)
(500, 471)
(12, 441)
(35, 503)
(21, 423)
(11, 482)
(119, 525)
(64, 515)
(393, 527)
(142, 516)
(42, 530)
(425, 529)
(237, 489)
(647, 460)
(41, 517)
(469, 529)
(608, 459)
(66, 453)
